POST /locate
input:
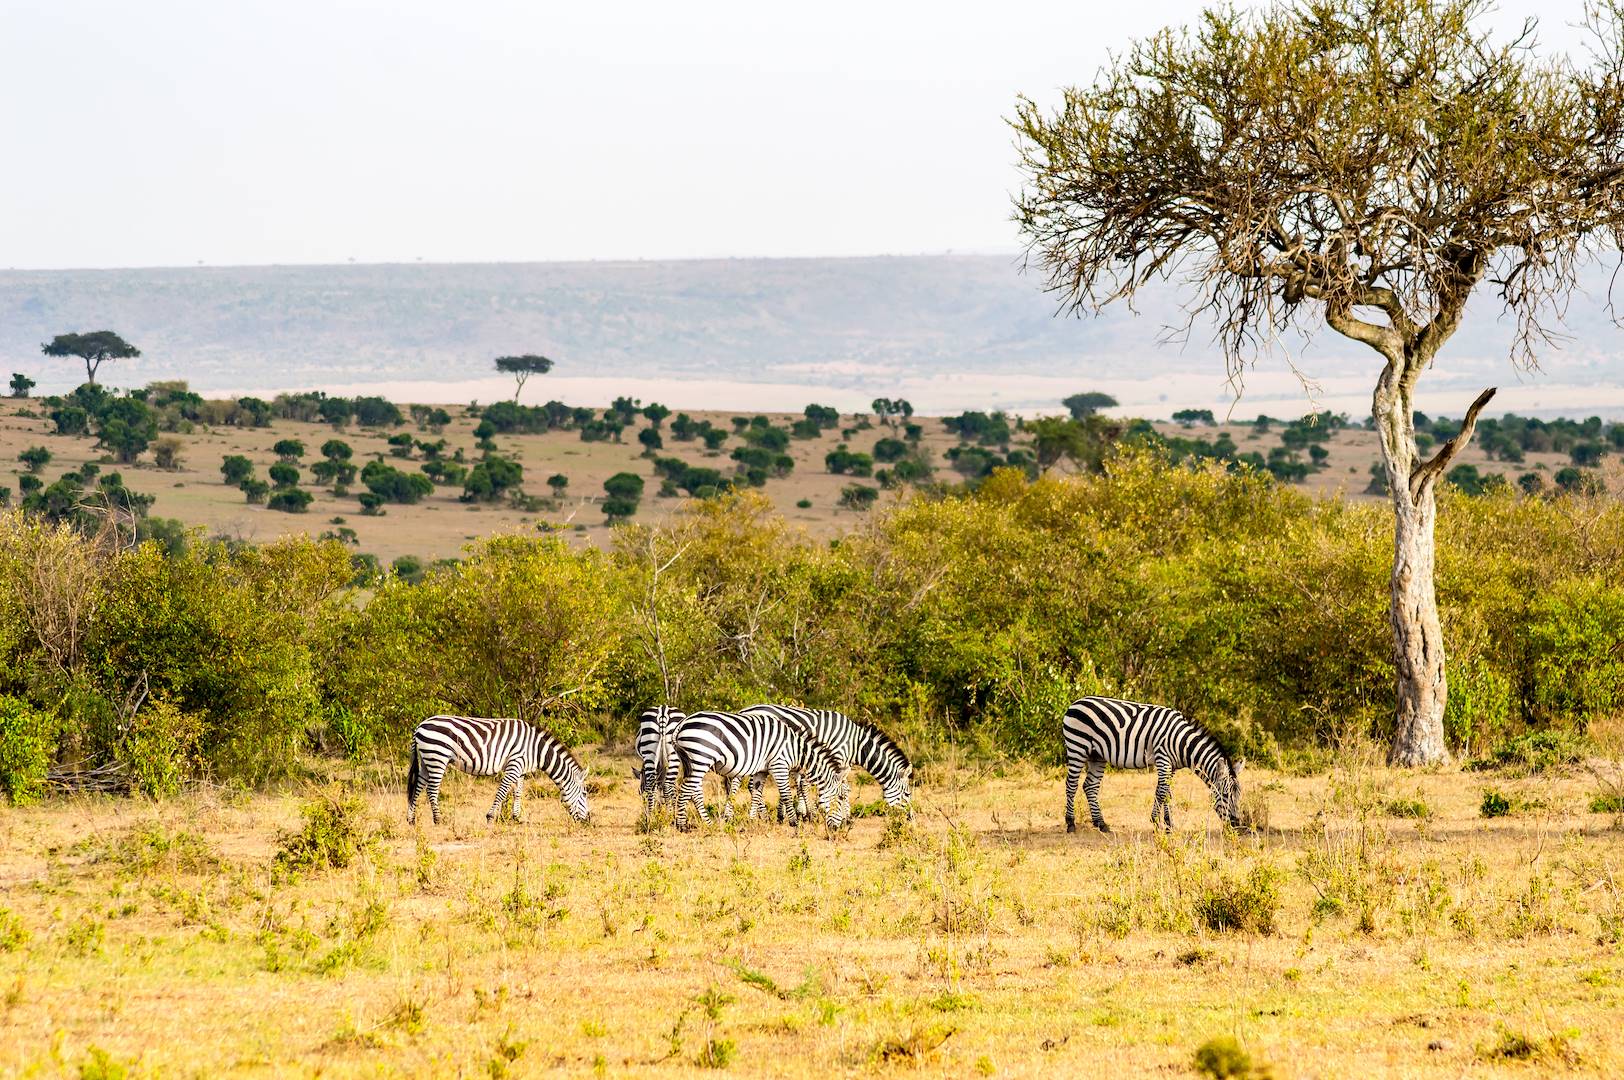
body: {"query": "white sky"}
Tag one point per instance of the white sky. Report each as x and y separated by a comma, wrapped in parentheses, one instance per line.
(173, 132)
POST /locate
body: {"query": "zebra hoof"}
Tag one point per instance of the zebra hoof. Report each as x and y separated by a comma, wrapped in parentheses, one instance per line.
(1102, 827)
(1071, 826)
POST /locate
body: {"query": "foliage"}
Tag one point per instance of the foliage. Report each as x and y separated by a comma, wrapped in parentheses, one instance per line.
(333, 833)
(94, 348)
(27, 747)
(1087, 404)
(393, 485)
(290, 500)
(20, 384)
(491, 479)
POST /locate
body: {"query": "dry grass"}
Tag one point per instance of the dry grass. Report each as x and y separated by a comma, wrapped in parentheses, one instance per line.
(978, 940)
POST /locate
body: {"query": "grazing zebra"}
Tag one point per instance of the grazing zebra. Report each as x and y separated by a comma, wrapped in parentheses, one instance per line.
(656, 731)
(483, 747)
(735, 745)
(852, 742)
(1101, 731)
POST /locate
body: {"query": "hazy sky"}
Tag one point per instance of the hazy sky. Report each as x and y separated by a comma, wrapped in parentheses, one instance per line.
(174, 132)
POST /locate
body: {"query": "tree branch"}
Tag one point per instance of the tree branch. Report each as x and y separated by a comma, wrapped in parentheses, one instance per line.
(1428, 471)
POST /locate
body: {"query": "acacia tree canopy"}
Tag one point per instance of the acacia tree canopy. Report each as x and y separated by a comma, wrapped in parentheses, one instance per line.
(1360, 164)
(521, 368)
(93, 348)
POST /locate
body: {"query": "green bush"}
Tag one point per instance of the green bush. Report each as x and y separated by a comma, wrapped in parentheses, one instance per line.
(333, 833)
(1247, 905)
(1495, 804)
(159, 748)
(1222, 1058)
(27, 748)
(290, 500)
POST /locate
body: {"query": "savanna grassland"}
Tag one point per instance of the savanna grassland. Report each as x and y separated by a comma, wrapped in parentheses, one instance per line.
(442, 524)
(1377, 925)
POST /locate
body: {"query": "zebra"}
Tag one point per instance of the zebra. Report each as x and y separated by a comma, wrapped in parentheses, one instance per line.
(735, 745)
(853, 742)
(656, 730)
(1099, 731)
(484, 747)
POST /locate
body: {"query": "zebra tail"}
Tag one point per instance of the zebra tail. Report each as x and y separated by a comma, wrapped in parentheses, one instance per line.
(413, 779)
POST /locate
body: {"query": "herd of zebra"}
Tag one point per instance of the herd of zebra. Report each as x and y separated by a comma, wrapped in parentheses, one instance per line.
(795, 746)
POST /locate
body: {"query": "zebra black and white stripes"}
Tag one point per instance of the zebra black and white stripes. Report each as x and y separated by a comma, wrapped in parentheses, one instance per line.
(656, 746)
(1100, 731)
(738, 745)
(853, 743)
(484, 747)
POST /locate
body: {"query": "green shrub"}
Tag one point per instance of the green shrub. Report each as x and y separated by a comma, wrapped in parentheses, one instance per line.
(159, 748)
(27, 748)
(1247, 905)
(1608, 802)
(13, 934)
(1222, 1058)
(1496, 804)
(1537, 751)
(1406, 808)
(291, 500)
(332, 835)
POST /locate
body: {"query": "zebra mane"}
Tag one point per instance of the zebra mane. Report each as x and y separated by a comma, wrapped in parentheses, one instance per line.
(886, 742)
(1208, 739)
(549, 739)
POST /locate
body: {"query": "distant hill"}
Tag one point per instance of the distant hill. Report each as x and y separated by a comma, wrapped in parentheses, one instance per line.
(947, 331)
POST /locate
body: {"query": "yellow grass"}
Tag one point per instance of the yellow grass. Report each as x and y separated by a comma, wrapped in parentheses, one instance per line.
(980, 940)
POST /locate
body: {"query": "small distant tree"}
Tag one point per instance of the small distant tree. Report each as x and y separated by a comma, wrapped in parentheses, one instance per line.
(522, 367)
(283, 475)
(35, 457)
(94, 348)
(254, 490)
(1081, 405)
(235, 469)
(336, 450)
(1082, 442)
(624, 485)
(1194, 416)
(650, 438)
(656, 413)
(559, 483)
(166, 452)
(289, 450)
(126, 426)
(20, 384)
(290, 500)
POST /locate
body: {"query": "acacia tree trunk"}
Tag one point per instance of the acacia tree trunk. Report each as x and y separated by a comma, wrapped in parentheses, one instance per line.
(1420, 684)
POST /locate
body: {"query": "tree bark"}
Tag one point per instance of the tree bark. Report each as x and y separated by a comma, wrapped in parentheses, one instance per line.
(1421, 686)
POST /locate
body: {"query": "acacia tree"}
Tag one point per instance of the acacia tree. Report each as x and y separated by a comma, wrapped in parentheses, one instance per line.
(521, 368)
(1365, 164)
(93, 348)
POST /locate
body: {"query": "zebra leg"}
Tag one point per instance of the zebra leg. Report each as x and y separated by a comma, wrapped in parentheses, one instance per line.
(730, 788)
(692, 791)
(1074, 771)
(518, 797)
(786, 797)
(1091, 789)
(414, 781)
(669, 780)
(801, 805)
(433, 774)
(510, 777)
(648, 788)
(1161, 811)
(758, 798)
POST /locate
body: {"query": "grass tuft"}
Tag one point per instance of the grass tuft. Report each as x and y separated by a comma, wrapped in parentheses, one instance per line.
(1222, 1058)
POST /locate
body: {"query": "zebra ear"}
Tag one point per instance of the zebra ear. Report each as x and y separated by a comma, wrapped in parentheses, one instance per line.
(1238, 765)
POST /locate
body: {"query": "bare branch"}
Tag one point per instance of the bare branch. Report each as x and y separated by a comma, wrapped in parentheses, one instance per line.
(1428, 471)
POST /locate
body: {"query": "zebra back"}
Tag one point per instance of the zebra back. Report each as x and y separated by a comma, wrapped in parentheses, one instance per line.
(854, 742)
